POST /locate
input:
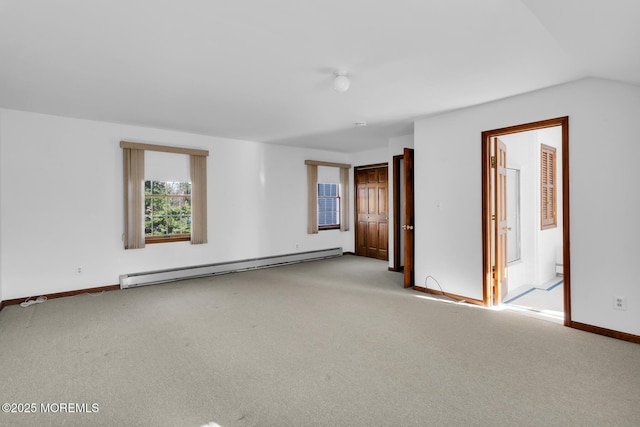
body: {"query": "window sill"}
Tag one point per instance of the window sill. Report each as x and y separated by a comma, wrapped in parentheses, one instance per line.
(167, 239)
(329, 227)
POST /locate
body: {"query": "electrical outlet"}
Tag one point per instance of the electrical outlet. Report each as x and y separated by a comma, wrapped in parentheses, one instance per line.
(619, 303)
(79, 270)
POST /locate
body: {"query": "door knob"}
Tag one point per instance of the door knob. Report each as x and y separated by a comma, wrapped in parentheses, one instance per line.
(409, 227)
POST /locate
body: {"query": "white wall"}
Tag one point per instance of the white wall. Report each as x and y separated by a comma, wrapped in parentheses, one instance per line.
(369, 157)
(604, 200)
(1, 206)
(160, 166)
(61, 203)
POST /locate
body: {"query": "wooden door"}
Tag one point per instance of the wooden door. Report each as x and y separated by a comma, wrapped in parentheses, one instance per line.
(408, 225)
(372, 214)
(500, 223)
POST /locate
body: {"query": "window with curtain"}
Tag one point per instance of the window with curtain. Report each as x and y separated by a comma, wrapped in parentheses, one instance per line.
(163, 211)
(316, 214)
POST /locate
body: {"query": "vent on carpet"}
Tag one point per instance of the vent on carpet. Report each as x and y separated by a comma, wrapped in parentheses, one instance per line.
(134, 280)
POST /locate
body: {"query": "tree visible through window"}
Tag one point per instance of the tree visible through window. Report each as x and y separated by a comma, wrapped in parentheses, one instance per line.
(167, 207)
(328, 206)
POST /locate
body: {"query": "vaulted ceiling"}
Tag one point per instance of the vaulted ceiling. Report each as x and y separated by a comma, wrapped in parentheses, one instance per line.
(263, 70)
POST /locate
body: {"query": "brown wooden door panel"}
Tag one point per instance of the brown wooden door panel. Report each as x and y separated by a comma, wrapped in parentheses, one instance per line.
(362, 202)
(383, 240)
(372, 237)
(372, 197)
(383, 202)
(382, 176)
(361, 238)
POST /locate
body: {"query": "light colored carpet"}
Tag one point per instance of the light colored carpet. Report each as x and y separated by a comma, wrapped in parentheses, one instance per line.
(326, 343)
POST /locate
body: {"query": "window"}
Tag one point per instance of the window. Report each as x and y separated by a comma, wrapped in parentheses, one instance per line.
(328, 206)
(547, 187)
(135, 214)
(167, 211)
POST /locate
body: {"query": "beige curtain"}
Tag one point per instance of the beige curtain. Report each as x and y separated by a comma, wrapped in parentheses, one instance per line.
(344, 199)
(312, 194)
(198, 199)
(133, 198)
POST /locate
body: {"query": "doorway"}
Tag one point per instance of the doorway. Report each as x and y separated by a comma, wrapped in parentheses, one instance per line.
(525, 216)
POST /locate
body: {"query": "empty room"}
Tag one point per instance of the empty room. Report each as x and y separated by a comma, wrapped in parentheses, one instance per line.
(352, 213)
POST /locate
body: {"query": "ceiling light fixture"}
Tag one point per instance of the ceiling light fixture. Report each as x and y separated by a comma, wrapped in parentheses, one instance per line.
(341, 83)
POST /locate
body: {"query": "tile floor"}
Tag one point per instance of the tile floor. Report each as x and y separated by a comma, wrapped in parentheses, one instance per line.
(546, 299)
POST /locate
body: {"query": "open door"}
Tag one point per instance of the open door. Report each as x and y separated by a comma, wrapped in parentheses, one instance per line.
(407, 226)
(499, 166)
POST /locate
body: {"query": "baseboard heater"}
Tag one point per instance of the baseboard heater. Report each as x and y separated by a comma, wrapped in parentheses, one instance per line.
(134, 280)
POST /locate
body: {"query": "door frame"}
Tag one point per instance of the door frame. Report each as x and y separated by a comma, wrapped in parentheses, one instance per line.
(356, 169)
(487, 280)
